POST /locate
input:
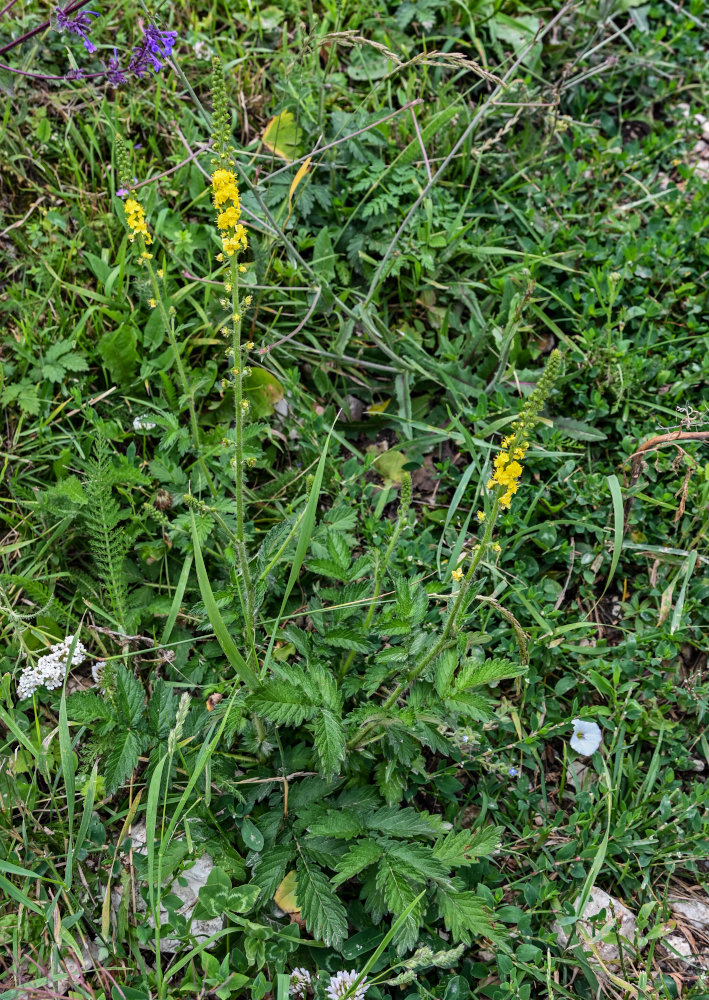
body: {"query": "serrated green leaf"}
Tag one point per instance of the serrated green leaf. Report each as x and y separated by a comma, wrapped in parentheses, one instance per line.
(329, 742)
(325, 916)
(271, 867)
(400, 885)
(87, 708)
(283, 703)
(464, 915)
(405, 822)
(361, 856)
(336, 823)
(475, 674)
(127, 745)
(460, 849)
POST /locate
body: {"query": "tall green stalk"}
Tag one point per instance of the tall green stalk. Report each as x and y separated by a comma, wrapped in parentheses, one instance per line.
(186, 390)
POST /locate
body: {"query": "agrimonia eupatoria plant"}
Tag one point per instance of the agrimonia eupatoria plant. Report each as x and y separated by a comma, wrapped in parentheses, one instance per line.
(338, 730)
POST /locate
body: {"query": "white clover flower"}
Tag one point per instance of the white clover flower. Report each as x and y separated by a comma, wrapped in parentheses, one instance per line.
(143, 424)
(342, 982)
(300, 980)
(50, 668)
(586, 737)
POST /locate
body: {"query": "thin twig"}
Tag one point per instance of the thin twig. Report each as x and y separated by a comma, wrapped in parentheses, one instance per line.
(24, 219)
(318, 293)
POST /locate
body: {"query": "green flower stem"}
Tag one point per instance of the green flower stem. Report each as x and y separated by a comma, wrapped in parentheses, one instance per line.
(167, 323)
(239, 415)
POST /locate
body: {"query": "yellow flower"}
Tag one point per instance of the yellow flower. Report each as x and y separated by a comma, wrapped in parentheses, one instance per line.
(457, 575)
(161, 273)
(497, 548)
(135, 217)
(229, 217)
(152, 303)
(507, 473)
(225, 195)
(481, 515)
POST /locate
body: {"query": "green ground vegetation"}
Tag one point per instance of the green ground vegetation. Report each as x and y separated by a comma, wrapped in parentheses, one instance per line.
(319, 647)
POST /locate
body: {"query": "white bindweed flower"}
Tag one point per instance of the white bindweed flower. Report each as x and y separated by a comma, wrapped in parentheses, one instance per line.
(342, 982)
(50, 668)
(143, 424)
(300, 980)
(586, 737)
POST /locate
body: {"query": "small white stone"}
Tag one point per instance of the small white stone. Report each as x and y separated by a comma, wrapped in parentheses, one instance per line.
(694, 911)
(677, 944)
(619, 920)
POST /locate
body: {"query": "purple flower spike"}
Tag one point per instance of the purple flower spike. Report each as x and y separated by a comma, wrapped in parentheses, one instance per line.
(160, 43)
(156, 45)
(79, 24)
(114, 73)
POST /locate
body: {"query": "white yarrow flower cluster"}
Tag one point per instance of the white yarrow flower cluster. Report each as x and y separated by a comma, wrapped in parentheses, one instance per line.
(342, 982)
(586, 737)
(50, 668)
(300, 980)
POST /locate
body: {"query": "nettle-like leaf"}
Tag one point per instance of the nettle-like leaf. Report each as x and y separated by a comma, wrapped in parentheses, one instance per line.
(460, 849)
(325, 916)
(361, 856)
(59, 359)
(336, 823)
(283, 703)
(475, 674)
(405, 822)
(88, 708)
(399, 885)
(162, 708)
(271, 867)
(129, 697)
(126, 747)
(464, 915)
(329, 741)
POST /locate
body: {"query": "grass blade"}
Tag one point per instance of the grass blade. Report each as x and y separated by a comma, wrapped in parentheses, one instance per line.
(177, 600)
(617, 498)
(679, 607)
(303, 542)
(69, 774)
(224, 638)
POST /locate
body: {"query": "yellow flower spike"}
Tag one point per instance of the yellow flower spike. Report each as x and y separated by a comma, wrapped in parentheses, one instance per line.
(135, 217)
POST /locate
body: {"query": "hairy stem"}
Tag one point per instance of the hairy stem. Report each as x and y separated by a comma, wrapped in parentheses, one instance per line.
(239, 416)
